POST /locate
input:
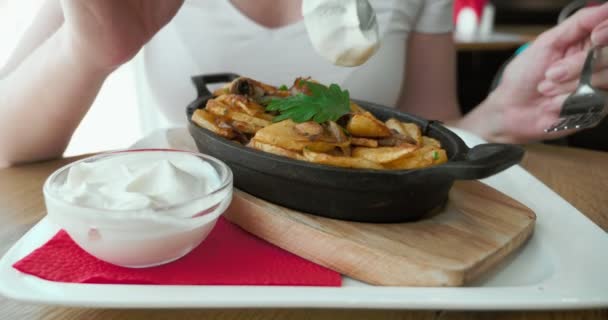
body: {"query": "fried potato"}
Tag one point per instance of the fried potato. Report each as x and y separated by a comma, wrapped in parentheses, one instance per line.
(310, 129)
(209, 121)
(420, 158)
(413, 131)
(253, 143)
(395, 125)
(367, 126)
(237, 112)
(339, 161)
(355, 108)
(245, 105)
(409, 130)
(284, 135)
(233, 113)
(364, 142)
(245, 127)
(428, 141)
(383, 154)
(440, 157)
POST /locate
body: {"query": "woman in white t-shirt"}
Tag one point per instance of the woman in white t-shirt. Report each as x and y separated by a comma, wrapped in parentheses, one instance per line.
(74, 45)
(216, 36)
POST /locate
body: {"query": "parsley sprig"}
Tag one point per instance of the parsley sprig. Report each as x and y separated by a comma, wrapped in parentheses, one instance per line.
(322, 105)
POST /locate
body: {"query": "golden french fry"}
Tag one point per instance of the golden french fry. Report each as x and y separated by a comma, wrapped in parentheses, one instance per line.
(364, 142)
(367, 126)
(253, 143)
(339, 161)
(383, 154)
(208, 121)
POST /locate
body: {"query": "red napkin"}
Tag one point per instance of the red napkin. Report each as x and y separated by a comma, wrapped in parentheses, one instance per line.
(229, 256)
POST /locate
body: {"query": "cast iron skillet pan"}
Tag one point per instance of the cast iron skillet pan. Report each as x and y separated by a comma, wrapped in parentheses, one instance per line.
(351, 194)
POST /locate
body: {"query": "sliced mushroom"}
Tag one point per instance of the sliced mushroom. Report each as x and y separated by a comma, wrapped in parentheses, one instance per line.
(251, 88)
(336, 131)
(243, 86)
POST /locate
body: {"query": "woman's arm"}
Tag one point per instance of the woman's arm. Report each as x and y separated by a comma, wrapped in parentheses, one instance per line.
(515, 112)
(42, 100)
(54, 76)
(44, 92)
(430, 77)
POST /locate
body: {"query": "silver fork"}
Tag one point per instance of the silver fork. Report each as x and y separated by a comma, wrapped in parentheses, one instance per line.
(586, 107)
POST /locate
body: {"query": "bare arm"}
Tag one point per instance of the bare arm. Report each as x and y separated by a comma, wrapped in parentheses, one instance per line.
(430, 84)
(52, 79)
(44, 92)
(515, 112)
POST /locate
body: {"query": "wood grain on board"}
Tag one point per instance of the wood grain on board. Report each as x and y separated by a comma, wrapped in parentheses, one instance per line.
(477, 229)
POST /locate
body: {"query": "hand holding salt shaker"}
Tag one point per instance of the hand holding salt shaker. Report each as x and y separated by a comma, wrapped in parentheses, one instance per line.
(343, 31)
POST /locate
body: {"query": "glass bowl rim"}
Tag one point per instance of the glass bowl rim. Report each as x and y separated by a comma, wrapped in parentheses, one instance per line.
(225, 175)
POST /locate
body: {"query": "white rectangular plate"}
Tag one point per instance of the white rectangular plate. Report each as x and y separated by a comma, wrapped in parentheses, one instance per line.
(563, 266)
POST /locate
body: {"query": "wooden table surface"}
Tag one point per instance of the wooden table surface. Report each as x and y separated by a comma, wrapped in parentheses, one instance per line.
(579, 176)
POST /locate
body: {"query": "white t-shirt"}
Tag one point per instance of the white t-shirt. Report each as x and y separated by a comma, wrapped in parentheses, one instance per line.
(212, 36)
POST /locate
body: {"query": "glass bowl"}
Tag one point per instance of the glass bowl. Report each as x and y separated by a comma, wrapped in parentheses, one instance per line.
(143, 236)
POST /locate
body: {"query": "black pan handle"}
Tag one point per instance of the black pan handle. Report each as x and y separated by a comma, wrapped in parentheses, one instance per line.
(202, 91)
(484, 160)
(201, 82)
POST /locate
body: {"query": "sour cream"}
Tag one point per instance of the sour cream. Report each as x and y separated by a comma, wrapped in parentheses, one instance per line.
(139, 208)
(343, 31)
(139, 181)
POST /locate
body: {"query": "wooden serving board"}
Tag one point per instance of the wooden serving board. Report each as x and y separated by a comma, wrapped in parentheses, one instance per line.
(477, 229)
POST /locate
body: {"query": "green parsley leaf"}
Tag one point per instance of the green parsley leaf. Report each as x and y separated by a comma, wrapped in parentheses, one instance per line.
(435, 155)
(324, 104)
(283, 88)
